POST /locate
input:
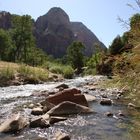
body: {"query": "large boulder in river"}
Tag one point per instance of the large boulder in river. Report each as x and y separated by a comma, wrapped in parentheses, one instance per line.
(68, 108)
(72, 95)
(14, 124)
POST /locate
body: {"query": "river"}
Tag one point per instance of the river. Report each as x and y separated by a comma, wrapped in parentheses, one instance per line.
(96, 126)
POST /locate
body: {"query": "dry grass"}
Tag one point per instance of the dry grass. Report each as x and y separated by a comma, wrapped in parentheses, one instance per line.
(8, 64)
(9, 71)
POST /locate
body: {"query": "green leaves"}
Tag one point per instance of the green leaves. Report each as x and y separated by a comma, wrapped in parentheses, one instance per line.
(76, 56)
(22, 37)
(116, 45)
(5, 45)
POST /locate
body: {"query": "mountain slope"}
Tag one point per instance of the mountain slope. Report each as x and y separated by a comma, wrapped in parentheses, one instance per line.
(55, 32)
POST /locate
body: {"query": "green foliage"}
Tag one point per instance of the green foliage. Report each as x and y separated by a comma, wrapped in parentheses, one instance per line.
(75, 55)
(116, 45)
(5, 45)
(36, 57)
(56, 68)
(94, 61)
(22, 37)
(134, 33)
(66, 70)
(135, 21)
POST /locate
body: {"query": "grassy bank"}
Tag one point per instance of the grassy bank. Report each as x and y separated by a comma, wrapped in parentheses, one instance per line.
(11, 73)
(15, 74)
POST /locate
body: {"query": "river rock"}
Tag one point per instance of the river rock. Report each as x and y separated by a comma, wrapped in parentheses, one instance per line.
(42, 122)
(64, 86)
(62, 136)
(109, 114)
(31, 106)
(54, 119)
(40, 93)
(37, 111)
(67, 108)
(91, 87)
(72, 95)
(106, 102)
(14, 124)
(46, 106)
(89, 98)
(104, 96)
(121, 114)
(130, 105)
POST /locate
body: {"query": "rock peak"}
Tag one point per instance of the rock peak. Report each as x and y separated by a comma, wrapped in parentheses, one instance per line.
(58, 15)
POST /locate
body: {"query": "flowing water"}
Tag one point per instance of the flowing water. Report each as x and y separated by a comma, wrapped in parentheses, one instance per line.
(95, 126)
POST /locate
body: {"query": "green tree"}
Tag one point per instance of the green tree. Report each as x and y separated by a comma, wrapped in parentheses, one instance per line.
(116, 45)
(36, 57)
(22, 37)
(5, 45)
(95, 59)
(134, 32)
(76, 56)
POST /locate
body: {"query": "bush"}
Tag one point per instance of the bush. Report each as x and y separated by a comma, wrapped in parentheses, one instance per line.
(68, 72)
(116, 46)
(58, 68)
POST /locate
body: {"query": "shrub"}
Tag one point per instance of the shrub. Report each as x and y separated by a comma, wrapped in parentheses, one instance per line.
(68, 72)
(116, 46)
(58, 68)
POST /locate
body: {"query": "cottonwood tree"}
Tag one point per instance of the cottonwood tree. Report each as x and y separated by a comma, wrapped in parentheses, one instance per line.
(5, 45)
(22, 37)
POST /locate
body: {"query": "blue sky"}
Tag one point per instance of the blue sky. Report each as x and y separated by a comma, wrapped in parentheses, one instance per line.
(100, 16)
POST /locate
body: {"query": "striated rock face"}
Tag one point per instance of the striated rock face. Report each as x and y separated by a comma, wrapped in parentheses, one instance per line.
(88, 38)
(54, 33)
(5, 20)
